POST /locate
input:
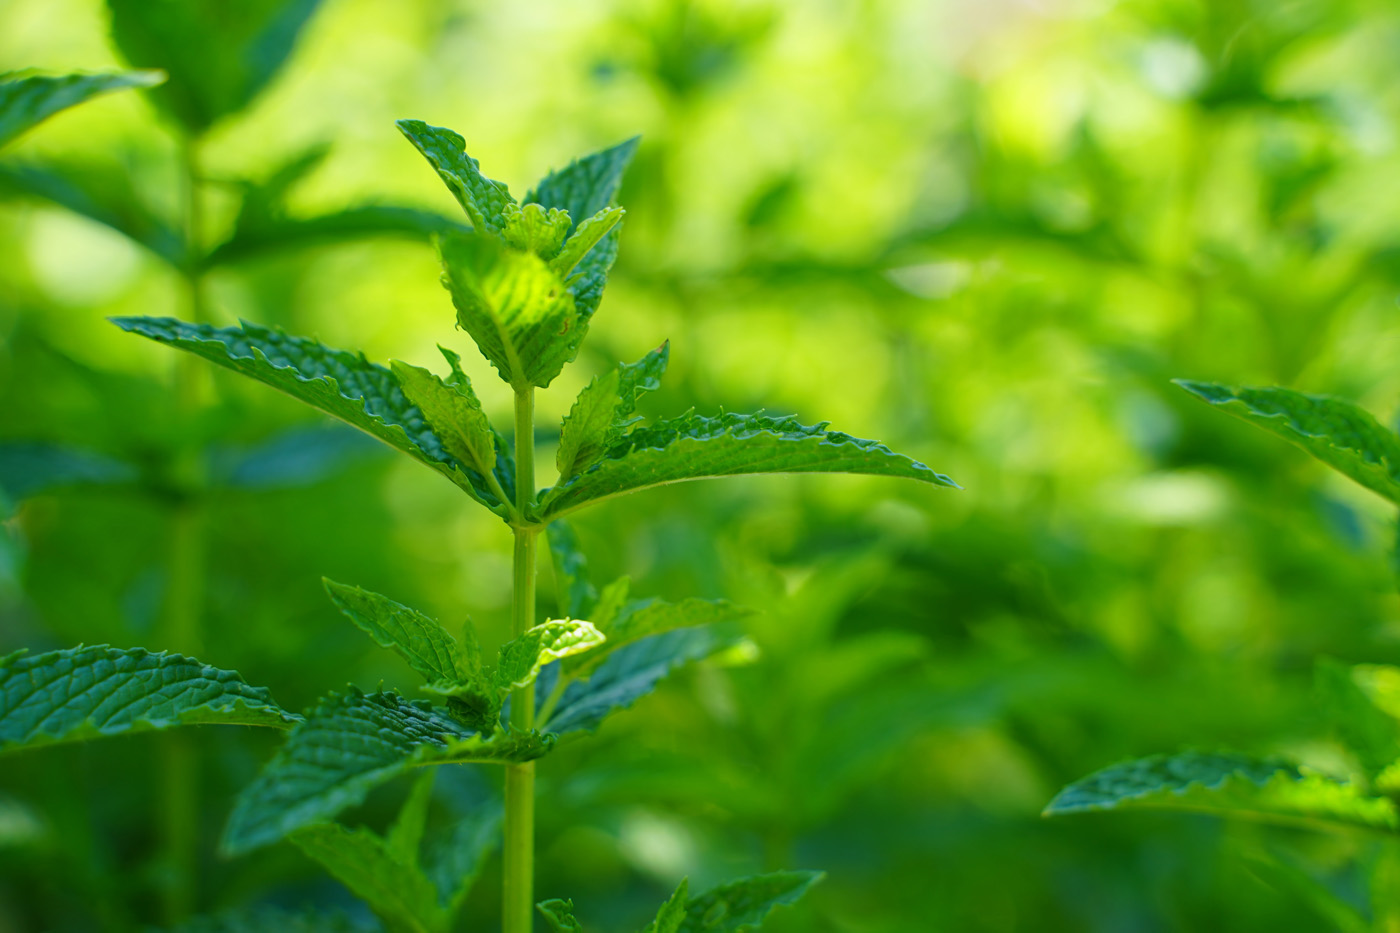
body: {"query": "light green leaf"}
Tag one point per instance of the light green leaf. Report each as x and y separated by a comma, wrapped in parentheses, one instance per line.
(575, 591)
(27, 99)
(1367, 729)
(672, 913)
(419, 640)
(649, 617)
(521, 658)
(365, 395)
(560, 916)
(395, 890)
(1228, 785)
(537, 230)
(636, 378)
(349, 744)
(220, 55)
(454, 413)
(745, 904)
(588, 428)
(1339, 433)
(484, 200)
(515, 308)
(584, 239)
(93, 692)
(631, 673)
(696, 447)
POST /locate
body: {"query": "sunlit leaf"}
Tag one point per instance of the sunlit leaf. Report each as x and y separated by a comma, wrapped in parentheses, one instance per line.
(454, 413)
(419, 640)
(521, 658)
(1228, 785)
(483, 199)
(93, 692)
(575, 591)
(28, 99)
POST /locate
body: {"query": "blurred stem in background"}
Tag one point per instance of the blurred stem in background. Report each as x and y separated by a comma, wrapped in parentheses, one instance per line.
(179, 802)
(517, 904)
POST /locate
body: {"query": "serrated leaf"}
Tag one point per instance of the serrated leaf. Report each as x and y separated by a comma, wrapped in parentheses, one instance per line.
(585, 237)
(1228, 785)
(27, 99)
(696, 447)
(454, 413)
(395, 890)
(629, 674)
(634, 379)
(575, 591)
(672, 913)
(345, 385)
(349, 744)
(483, 199)
(745, 904)
(649, 617)
(516, 310)
(521, 658)
(93, 692)
(27, 469)
(219, 55)
(588, 430)
(1341, 434)
(560, 916)
(536, 229)
(419, 640)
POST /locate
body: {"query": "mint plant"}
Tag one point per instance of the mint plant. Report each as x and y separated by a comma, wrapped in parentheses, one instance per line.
(1362, 701)
(525, 281)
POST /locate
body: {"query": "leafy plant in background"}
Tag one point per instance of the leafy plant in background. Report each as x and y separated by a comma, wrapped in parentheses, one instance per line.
(1361, 700)
(525, 282)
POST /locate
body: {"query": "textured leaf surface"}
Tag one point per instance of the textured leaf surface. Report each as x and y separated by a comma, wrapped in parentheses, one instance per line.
(629, 674)
(560, 916)
(696, 447)
(604, 410)
(745, 904)
(86, 693)
(28, 99)
(395, 890)
(342, 384)
(513, 305)
(1339, 433)
(419, 640)
(349, 744)
(521, 658)
(645, 618)
(483, 199)
(1228, 785)
(454, 413)
(219, 55)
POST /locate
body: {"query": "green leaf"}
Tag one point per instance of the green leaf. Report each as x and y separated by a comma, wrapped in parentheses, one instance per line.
(629, 674)
(275, 236)
(537, 230)
(345, 385)
(405, 836)
(1339, 433)
(649, 617)
(604, 409)
(349, 744)
(560, 916)
(265, 919)
(696, 447)
(395, 890)
(1228, 785)
(575, 591)
(27, 469)
(672, 913)
(584, 239)
(419, 640)
(454, 413)
(484, 200)
(459, 858)
(27, 99)
(636, 378)
(219, 55)
(521, 658)
(510, 302)
(1367, 730)
(91, 692)
(745, 904)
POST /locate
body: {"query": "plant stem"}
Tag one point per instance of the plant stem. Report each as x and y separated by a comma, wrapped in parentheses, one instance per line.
(517, 899)
(186, 570)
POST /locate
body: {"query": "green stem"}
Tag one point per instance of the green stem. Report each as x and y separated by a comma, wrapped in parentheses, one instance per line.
(517, 901)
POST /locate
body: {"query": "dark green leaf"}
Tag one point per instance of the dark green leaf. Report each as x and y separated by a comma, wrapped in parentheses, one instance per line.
(29, 469)
(349, 744)
(695, 447)
(745, 904)
(296, 458)
(483, 199)
(394, 889)
(91, 692)
(28, 99)
(645, 618)
(365, 395)
(1339, 433)
(560, 916)
(1228, 785)
(419, 640)
(267, 919)
(458, 859)
(574, 590)
(219, 55)
(510, 302)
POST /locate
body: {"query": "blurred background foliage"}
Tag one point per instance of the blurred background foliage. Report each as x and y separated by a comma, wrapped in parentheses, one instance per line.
(986, 233)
